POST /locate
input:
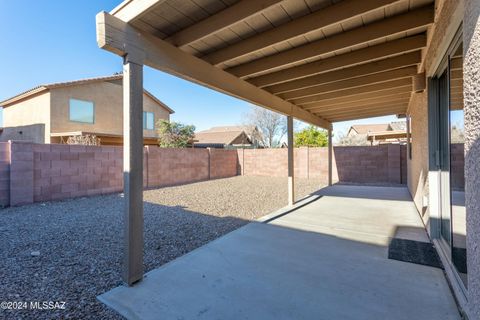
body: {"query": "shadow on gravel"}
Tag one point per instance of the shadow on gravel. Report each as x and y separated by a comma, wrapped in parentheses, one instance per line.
(72, 251)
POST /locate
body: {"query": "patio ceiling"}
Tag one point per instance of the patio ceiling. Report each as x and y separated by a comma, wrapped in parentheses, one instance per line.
(320, 61)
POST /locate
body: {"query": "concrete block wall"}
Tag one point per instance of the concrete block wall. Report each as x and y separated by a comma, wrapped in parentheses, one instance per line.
(362, 164)
(32, 172)
(223, 163)
(176, 166)
(63, 171)
(4, 173)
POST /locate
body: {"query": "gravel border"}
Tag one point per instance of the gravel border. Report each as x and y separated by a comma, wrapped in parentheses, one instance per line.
(71, 250)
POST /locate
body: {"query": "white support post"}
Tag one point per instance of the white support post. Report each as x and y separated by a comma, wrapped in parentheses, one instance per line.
(133, 170)
(291, 179)
(330, 157)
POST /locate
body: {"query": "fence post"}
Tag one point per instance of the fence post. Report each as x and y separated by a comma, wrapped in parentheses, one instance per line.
(291, 179)
(394, 163)
(330, 152)
(209, 163)
(21, 173)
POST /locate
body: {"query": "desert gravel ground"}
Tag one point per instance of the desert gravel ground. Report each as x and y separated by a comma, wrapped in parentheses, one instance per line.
(71, 250)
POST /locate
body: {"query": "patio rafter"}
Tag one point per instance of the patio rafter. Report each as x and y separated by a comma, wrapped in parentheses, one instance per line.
(387, 64)
(229, 16)
(298, 27)
(363, 103)
(353, 92)
(368, 54)
(387, 110)
(119, 37)
(406, 72)
(359, 97)
(397, 24)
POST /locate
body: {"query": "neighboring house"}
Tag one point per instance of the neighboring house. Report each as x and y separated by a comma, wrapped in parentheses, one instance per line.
(394, 132)
(52, 113)
(228, 136)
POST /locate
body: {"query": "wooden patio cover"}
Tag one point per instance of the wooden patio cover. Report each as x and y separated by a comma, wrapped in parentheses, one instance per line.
(320, 61)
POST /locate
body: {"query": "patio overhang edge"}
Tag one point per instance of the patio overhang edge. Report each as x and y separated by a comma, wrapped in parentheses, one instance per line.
(119, 37)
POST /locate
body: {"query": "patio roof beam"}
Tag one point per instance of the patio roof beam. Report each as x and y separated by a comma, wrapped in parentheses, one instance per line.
(229, 16)
(120, 38)
(352, 92)
(388, 110)
(377, 30)
(366, 102)
(396, 62)
(376, 52)
(317, 20)
(359, 97)
(360, 107)
(406, 72)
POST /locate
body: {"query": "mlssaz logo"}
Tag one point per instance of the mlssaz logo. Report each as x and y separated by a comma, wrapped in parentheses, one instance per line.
(47, 305)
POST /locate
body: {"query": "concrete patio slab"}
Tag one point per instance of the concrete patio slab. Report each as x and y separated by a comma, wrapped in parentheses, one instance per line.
(325, 260)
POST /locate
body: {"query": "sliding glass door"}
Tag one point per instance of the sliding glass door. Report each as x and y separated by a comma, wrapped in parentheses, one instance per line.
(447, 119)
(456, 182)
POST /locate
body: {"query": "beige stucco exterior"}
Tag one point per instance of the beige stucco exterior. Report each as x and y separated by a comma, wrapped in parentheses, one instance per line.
(32, 112)
(448, 18)
(50, 108)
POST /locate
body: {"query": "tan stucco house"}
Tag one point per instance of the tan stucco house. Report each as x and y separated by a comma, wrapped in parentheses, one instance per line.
(52, 113)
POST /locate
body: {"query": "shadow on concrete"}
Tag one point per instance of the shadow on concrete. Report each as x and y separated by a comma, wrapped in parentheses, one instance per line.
(317, 262)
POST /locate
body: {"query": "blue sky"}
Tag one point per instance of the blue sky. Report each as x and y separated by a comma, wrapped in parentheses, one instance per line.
(54, 40)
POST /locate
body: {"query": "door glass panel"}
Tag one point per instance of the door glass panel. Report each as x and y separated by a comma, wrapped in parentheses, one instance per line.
(445, 225)
(456, 151)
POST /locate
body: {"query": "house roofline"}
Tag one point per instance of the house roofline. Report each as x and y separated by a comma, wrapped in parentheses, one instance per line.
(45, 87)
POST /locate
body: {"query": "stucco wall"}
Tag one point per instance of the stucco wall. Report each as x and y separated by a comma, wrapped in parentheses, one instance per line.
(108, 104)
(417, 168)
(471, 77)
(448, 15)
(32, 111)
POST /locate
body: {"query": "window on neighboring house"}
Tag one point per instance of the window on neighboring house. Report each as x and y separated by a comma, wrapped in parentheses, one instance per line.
(82, 111)
(148, 120)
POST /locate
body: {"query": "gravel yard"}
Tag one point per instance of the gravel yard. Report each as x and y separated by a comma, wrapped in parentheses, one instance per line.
(71, 250)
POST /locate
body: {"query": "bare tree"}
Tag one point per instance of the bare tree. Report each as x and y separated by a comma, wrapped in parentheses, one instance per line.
(272, 125)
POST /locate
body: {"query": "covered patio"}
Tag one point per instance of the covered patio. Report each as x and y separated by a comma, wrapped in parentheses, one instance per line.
(306, 263)
(321, 62)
